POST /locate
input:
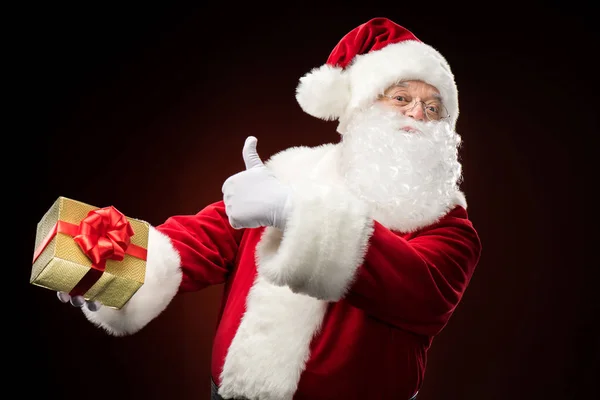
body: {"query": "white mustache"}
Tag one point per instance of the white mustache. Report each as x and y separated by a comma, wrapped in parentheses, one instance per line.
(394, 119)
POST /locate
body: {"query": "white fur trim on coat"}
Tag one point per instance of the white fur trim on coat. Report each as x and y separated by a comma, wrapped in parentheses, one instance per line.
(269, 351)
(161, 284)
(324, 242)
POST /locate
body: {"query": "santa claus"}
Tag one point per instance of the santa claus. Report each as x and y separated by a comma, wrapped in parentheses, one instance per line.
(340, 262)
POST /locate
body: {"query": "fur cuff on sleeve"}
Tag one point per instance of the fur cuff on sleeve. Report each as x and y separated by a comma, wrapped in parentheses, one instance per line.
(324, 243)
(163, 277)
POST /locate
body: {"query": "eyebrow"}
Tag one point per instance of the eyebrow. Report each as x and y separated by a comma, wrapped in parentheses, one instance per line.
(404, 85)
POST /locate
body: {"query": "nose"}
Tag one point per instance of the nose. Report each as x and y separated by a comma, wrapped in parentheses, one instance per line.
(416, 111)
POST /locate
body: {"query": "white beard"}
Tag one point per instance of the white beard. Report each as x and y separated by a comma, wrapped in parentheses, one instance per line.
(408, 179)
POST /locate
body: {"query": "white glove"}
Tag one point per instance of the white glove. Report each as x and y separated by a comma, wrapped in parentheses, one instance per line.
(255, 197)
(78, 301)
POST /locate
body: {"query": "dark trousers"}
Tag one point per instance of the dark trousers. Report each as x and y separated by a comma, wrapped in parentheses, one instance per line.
(214, 395)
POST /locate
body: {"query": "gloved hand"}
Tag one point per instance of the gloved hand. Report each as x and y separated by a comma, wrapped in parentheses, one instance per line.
(78, 301)
(255, 197)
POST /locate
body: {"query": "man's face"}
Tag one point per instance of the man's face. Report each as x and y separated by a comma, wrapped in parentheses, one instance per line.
(415, 99)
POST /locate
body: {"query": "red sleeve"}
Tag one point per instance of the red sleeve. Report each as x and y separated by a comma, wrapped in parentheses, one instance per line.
(206, 243)
(416, 283)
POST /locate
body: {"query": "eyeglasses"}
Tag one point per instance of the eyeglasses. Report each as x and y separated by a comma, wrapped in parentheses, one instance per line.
(432, 112)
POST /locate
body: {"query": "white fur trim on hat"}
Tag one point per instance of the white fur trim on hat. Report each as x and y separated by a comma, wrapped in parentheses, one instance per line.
(331, 93)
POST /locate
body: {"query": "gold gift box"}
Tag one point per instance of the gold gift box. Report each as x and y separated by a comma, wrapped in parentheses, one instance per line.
(62, 264)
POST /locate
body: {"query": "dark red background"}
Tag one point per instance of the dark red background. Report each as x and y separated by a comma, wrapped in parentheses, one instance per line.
(170, 93)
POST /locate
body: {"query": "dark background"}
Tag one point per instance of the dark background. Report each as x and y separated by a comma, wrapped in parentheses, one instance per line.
(171, 92)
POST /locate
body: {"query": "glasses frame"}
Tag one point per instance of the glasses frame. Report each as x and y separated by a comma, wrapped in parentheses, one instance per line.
(414, 102)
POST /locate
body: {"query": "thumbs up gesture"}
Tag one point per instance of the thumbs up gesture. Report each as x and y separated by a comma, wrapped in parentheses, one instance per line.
(255, 197)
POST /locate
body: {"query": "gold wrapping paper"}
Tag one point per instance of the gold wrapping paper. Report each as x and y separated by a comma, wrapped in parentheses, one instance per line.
(62, 263)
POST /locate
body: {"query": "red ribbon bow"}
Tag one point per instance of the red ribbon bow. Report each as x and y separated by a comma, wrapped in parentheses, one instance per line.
(104, 235)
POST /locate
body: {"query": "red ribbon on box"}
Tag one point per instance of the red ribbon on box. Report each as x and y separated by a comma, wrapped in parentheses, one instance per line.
(104, 234)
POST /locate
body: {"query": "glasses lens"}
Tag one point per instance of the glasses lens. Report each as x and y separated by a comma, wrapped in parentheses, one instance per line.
(432, 112)
(435, 113)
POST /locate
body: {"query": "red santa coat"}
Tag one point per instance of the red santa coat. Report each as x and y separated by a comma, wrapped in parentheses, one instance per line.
(339, 306)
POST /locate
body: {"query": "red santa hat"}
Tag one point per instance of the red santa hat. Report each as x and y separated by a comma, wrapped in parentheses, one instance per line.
(369, 59)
